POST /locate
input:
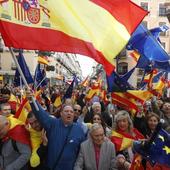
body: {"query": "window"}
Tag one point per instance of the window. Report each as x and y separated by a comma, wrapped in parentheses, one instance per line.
(163, 44)
(144, 5)
(139, 82)
(145, 23)
(162, 10)
(162, 33)
(122, 68)
(140, 72)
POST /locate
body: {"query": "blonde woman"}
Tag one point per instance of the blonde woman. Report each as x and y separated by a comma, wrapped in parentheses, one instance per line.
(124, 126)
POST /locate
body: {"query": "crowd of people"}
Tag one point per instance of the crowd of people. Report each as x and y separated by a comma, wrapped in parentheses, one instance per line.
(77, 135)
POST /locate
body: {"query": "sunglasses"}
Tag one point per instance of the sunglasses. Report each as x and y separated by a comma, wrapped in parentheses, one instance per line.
(77, 110)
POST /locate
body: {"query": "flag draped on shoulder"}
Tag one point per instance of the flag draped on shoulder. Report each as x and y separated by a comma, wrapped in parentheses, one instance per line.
(121, 142)
(96, 28)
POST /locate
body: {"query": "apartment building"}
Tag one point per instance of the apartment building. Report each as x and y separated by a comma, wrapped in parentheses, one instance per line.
(157, 16)
(63, 65)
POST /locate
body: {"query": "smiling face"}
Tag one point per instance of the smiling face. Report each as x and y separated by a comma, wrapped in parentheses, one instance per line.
(67, 114)
(152, 123)
(97, 119)
(123, 124)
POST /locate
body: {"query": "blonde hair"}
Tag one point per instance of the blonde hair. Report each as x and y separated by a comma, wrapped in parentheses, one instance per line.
(122, 115)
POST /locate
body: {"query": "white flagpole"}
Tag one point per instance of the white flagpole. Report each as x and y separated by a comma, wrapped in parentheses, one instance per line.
(22, 75)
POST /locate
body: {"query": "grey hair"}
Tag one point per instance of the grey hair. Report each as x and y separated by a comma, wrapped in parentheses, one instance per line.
(94, 127)
(122, 115)
(95, 104)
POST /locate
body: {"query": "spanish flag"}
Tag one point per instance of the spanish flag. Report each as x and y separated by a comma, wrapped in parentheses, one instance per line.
(57, 102)
(121, 142)
(43, 60)
(96, 28)
(17, 131)
(135, 55)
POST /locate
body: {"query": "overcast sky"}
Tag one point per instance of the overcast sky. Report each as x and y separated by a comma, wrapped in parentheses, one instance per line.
(86, 64)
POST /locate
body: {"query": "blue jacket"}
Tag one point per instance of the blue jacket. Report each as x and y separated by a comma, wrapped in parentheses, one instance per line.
(56, 134)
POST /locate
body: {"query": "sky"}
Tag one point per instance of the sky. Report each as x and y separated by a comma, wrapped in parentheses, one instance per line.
(86, 64)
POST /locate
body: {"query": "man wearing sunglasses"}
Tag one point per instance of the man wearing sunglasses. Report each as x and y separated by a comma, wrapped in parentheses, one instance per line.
(79, 118)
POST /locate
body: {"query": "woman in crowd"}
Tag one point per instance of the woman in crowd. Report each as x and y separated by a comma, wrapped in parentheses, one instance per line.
(97, 118)
(152, 121)
(124, 126)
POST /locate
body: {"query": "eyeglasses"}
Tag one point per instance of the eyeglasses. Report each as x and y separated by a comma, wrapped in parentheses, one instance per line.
(77, 110)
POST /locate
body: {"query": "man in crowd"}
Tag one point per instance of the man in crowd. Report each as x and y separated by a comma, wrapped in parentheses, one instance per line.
(15, 150)
(96, 153)
(79, 118)
(5, 109)
(38, 143)
(97, 108)
(64, 136)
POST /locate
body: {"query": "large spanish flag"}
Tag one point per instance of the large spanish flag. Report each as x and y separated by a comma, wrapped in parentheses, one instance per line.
(95, 28)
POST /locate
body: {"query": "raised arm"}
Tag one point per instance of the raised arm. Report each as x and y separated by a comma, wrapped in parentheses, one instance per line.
(43, 117)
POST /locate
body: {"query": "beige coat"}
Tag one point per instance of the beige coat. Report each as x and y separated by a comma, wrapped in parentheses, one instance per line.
(86, 158)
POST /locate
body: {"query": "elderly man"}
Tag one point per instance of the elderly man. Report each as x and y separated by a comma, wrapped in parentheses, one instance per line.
(15, 149)
(64, 136)
(97, 108)
(96, 153)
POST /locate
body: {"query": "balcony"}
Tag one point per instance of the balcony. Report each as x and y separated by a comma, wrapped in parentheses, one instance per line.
(140, 72)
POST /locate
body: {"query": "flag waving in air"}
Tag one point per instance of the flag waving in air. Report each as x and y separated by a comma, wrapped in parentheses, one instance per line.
(95, 28)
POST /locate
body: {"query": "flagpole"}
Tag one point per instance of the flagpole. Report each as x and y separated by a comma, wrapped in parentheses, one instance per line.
(40, 82)
(22, 75)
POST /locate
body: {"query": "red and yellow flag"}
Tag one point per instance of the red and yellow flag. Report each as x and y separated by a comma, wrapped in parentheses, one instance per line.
(95, 28)
(121, 142)
(85, 82)
(43, 60)
(135, 55)
(57, 102)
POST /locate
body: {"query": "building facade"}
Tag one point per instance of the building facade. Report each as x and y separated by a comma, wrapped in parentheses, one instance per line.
(157, 16)
(63, 65)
